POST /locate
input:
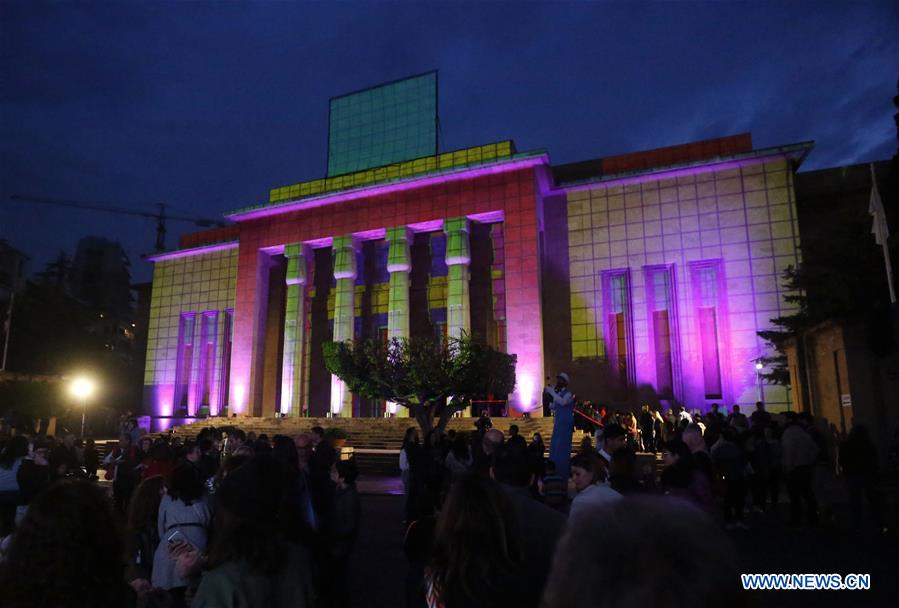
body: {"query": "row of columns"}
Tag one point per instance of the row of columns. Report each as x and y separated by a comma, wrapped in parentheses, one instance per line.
(399, 265)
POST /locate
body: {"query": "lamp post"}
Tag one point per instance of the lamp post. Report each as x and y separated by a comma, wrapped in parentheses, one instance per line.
(758, 380)
(82, 388)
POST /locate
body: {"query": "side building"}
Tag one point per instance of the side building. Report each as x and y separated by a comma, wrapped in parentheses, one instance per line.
(645, 276)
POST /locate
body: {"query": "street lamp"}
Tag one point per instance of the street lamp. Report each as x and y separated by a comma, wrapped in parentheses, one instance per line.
(758, 380)
(82, 387)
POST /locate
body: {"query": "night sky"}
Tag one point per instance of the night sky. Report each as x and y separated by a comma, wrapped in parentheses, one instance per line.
(207, 105)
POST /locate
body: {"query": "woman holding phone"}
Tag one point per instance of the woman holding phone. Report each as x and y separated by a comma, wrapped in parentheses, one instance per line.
(183, 518)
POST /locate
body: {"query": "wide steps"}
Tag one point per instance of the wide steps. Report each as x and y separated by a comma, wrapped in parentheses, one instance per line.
(368, 433)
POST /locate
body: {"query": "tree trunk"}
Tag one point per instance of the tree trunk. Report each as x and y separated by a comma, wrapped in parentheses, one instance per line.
(422, 415)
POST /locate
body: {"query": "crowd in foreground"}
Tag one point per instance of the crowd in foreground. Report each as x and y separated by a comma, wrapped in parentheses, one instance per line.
(226, 519)
(231, 519)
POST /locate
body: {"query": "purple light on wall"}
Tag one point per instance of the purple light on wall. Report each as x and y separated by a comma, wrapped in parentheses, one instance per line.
(162, 399)
(183, 253)
(379, 190)
(757, 157)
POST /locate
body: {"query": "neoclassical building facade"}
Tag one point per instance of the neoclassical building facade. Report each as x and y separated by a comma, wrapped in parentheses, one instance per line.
(645, 276)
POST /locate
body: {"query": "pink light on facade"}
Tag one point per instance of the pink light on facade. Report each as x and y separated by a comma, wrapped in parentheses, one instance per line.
(525, 392)
(240, 393)
(379, 190)
(428, 226)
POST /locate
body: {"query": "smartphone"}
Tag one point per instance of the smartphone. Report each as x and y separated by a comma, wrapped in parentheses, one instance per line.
(177, 537)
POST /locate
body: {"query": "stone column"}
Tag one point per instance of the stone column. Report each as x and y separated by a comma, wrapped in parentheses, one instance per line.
(399, 263)
(458, 257)
(344, 248)
(293, 390)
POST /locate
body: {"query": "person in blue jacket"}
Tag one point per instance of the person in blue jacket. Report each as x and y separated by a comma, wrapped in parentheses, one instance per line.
(562, 407)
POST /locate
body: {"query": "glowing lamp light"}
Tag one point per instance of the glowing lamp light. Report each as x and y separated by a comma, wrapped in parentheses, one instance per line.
(759, 366)
(82, 388)
(391, 407)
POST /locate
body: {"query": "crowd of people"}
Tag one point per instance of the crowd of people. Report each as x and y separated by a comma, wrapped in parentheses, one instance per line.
(229, 519)
(226, 519)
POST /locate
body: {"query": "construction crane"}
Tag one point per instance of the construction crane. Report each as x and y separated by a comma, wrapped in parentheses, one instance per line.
(160, 216)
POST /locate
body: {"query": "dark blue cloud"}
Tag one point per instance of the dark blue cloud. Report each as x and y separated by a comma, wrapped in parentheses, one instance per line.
(207, 105)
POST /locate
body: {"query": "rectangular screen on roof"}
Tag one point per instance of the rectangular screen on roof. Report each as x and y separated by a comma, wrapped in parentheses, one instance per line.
(389, 123)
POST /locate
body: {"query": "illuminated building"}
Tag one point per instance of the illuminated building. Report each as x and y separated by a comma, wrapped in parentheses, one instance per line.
(645, 276)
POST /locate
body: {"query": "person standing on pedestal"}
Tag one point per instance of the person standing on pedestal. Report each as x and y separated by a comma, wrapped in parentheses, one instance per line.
(563, 423)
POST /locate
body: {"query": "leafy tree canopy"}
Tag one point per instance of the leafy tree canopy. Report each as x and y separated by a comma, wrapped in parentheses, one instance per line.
(432, 379)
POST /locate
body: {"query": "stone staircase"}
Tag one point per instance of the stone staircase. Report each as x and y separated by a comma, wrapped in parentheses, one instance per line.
(375, 442)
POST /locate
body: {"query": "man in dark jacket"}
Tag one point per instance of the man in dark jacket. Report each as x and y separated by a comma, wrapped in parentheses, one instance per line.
(539, 526)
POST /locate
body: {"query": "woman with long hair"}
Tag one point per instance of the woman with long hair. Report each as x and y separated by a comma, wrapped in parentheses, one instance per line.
(476, 559)
(67, 551)
(183, 516)
(250, 563)
(142, 531)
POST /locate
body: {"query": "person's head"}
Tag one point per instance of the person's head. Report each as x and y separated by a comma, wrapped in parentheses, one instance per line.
(614, 438)
(537, 438)
(16, 447)
(586, 470)
(692, 436)
(460, 447)
(512, 466)
(125, 441)
(715, 407)
(303, 445)
(586, 443)
(759, 406)
(728, 434)
(675, 451)
(550, 467)
(485, 413)
(476, 533)
(284, 450)
(562, 380)
(245, 527)
(236, 438)
(144, 505)
(735, 409)
(411, 436)
(90, 443)
(602, 559)
(493, 441)
(67, 551)
(184, 483)
(344, 472)
(145, 444)
(513, 430)
(318, 435)
(192, 452)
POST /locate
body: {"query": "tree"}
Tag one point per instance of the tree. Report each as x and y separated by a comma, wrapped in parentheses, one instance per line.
(432, 379)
